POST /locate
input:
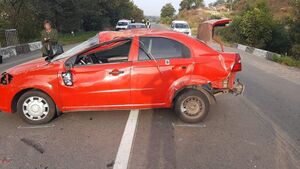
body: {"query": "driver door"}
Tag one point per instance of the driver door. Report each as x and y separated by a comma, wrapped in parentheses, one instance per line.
(101, 85)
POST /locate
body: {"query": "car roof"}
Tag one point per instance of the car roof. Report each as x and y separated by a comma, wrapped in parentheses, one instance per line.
(112, 35)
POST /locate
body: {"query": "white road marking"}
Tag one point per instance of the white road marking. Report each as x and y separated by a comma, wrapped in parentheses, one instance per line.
(125, 147)
(34, 127)
(189, 125)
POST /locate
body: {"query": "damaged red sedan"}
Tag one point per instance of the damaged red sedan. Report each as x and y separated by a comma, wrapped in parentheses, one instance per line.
(135, 69)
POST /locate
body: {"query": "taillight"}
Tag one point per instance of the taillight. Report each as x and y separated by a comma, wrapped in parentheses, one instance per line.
(238, 64)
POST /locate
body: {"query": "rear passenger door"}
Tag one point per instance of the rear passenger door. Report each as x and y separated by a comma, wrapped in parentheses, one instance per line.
(173, 62)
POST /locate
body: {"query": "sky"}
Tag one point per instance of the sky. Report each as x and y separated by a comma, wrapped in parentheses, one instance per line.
(153, 7)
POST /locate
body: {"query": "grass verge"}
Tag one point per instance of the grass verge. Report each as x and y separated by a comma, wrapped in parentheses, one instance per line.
(286, 60)
(66, 39)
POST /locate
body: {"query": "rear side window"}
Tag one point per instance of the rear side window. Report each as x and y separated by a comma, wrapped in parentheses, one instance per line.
(163, 48)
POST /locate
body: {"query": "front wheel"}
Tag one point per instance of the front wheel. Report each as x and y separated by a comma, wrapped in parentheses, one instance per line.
(36, 107)
(192, 106)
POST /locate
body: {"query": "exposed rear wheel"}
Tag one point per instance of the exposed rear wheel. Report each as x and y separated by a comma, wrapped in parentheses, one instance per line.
(36, 107)
(192, 106)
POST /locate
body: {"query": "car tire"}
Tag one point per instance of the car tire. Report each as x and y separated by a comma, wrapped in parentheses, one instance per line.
(192, 106)
(35, 107)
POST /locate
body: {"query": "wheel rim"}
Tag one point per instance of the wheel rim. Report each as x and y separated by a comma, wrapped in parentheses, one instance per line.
(192, 106)
(35, 108)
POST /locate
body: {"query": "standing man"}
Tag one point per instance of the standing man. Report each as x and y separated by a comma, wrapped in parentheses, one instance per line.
(148, 25)
(132, 20)
(49, 38)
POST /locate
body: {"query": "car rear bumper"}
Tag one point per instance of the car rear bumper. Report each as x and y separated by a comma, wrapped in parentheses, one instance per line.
(238, 88)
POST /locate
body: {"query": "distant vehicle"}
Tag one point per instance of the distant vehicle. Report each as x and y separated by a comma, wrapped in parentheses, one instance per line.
(181, 26)
(136, 26)
(133, 69)
(122, 24)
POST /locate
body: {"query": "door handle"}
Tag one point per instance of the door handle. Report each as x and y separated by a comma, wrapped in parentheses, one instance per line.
(179, 67)
(116, 72)
(183, 67)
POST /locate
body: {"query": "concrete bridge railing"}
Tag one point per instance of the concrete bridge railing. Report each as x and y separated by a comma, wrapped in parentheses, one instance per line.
(257, 52)
(20, 49)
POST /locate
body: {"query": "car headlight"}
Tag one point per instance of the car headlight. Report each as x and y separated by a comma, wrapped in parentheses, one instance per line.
(6, 78)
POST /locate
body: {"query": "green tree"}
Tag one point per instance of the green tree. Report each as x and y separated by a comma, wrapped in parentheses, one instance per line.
(18, 14)
(27, 16)
(256, 26)
(253, 27)
(168, 11)
(281, 40)
(295, 30)
(190, 4)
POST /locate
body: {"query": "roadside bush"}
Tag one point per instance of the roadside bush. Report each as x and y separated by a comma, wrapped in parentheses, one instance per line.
(215, 17)
(256, 26)
(281, 41)
(295, 30)
(252, 27)
(286, 60)
(296, 51)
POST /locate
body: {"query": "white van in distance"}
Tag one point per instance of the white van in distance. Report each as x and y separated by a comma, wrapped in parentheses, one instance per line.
(181, 26)
(122, 24)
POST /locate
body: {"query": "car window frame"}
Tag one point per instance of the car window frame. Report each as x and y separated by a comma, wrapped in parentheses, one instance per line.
(138, 59)
(73, 59)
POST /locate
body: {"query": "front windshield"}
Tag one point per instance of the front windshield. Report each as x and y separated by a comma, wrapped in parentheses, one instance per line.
(122, 23)
(181, 26)
(83, 46)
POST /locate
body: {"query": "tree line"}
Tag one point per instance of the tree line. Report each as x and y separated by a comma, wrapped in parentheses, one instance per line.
(27, 16)
(255, 26)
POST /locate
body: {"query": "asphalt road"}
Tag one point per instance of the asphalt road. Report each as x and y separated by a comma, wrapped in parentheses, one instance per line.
(257, 130)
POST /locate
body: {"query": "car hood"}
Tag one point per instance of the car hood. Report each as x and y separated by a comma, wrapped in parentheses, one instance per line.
(28, 66)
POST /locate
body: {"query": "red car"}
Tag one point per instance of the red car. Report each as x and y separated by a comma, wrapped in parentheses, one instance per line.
(134, 69)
